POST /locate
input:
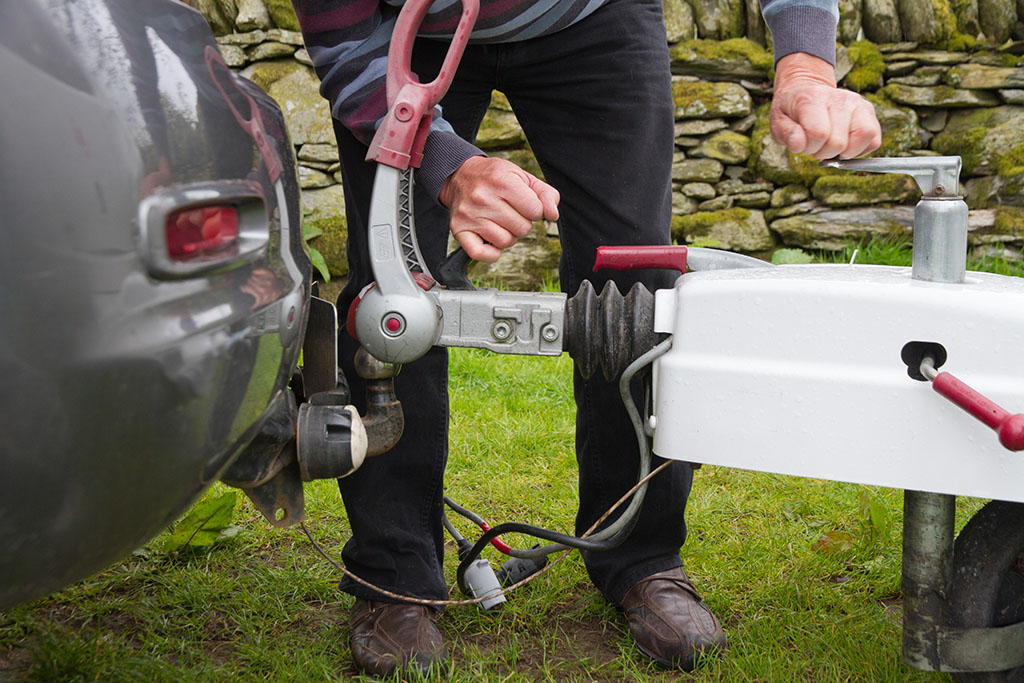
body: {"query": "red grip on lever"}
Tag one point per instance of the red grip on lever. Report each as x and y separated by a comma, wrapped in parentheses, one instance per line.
(635, 258)
(399, 140)
(1010, 428)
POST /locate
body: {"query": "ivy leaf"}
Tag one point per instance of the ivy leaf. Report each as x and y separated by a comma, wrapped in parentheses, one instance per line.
(834, 542)
(320, 263)
(309, 231)
(204, 524)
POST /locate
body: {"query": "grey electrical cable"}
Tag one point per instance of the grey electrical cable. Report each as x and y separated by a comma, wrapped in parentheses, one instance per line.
(645, 456)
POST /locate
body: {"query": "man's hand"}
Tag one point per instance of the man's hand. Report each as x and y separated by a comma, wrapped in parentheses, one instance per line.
(493, 203)
(810, 114)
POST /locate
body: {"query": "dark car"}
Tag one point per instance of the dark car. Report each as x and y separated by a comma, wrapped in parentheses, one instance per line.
(154, 284)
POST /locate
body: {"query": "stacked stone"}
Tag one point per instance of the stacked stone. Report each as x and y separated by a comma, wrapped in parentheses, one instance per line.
(735, 187)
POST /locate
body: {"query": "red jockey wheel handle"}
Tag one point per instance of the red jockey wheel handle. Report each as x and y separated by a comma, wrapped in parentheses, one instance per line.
(1010, 428)
(400, 138)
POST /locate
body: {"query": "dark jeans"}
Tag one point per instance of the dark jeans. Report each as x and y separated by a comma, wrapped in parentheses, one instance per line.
(595, 103)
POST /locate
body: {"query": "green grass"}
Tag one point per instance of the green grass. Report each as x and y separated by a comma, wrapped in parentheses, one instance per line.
(890, 252)
(805, 574)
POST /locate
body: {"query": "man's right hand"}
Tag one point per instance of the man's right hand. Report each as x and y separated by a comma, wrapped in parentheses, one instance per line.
(493, 203)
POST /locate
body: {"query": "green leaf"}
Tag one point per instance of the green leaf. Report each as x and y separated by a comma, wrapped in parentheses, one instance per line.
(834, 542)
(203, 525)
(874, 515)
(309, 231)
(320, 263)
(789, 256)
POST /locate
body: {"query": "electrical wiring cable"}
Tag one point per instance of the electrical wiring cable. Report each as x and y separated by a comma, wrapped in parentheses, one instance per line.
(613, 535)
(605, 539)
(479, 521)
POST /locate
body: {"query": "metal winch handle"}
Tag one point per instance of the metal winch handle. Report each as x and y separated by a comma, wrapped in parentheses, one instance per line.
(940, 218)
(1009, 427)
(936, 176)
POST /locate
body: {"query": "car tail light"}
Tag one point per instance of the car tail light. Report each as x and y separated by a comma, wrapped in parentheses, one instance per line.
(192, 233)
(212, 226)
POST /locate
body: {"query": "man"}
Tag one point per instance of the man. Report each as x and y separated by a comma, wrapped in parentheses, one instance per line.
(590, 84)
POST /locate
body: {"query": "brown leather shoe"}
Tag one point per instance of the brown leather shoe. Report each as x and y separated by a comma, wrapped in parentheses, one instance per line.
(669, 622)
(389, 637)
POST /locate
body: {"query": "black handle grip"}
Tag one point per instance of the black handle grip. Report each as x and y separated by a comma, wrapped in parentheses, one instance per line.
(453, 272)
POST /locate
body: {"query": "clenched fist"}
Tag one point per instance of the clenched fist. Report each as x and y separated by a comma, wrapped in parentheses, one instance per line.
(493, 203)
(809, 114)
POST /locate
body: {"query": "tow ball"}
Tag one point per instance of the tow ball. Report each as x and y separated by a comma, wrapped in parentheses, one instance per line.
(314, 432)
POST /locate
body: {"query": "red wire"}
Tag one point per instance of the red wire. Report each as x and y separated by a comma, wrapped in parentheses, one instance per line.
(497, 542)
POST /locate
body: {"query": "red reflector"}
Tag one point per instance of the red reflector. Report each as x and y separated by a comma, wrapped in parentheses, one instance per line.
(192, 232)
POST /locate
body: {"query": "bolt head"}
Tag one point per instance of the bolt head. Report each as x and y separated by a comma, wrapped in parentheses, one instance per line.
(502, 330)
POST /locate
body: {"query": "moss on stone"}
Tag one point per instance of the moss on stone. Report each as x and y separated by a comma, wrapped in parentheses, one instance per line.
(704, 99)
(265, 74)
(762, 127)
(868, 67)
(499, 129)
(943, 93)
(727, 146)
(807, 168)
(852, 190)
(702, 221)
(788, 195)
(967, 140)
(1012, 162)
(731, 49)
(960, 42)
(707, 243)
(282, 14)
(1009, 221)
(946, 20)
(968, 146)
(499, 100)
(966, 12)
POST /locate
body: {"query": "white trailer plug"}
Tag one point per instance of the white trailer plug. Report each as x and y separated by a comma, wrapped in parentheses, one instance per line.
(483, 583)
(480, 578)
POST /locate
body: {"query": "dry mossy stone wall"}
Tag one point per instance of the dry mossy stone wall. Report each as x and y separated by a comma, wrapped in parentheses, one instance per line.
(945, 77)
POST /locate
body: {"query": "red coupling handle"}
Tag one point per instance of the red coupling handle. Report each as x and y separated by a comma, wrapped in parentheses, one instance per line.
(635, 258)
(399, 140)
(1010, 428)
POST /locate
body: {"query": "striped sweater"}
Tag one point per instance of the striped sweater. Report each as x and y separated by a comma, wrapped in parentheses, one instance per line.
(347, 41)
